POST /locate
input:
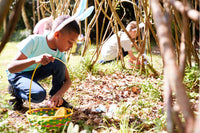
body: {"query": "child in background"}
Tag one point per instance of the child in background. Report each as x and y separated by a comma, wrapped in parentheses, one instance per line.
(44, 26)
(79, 42)
(43, 49)
(110, 49)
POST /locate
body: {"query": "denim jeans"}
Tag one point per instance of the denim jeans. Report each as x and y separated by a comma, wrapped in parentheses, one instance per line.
(21, 81)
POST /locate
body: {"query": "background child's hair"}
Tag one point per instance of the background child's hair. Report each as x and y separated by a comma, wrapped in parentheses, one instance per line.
(131, 25)
(70, 27)
(48, 25)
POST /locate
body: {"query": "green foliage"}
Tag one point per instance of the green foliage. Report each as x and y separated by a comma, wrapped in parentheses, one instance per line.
(192, 78)
(4, 123)
(4, 100)
(1, 33)
(151, 90)
(192, 83)
(80, 66)
(20, 35)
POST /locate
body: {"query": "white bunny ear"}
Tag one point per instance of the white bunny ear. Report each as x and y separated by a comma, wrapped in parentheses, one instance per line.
(81, 8)
(79, 15)
(85, 14)
(141, 25)
(70, 19)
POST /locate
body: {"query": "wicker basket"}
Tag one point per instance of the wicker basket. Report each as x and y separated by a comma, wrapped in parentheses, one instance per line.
(45, 118)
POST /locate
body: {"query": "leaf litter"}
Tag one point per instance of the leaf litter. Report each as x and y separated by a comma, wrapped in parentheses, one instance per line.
(97, 99)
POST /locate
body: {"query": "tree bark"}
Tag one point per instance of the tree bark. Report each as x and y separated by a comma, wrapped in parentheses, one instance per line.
(12, 23)
(191, 13)
(33, 10)
(53, 9)
(172, 73)
(4, 8)
(25, 18)
(38, 9)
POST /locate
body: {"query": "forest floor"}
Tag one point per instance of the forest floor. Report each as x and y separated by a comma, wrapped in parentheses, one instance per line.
(123, 100)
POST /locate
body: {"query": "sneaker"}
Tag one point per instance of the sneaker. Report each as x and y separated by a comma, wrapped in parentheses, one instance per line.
(104, 62)
(101, 61)
(17, 103)
(66, 105)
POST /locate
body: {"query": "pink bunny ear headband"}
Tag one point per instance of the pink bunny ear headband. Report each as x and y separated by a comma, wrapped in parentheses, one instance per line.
(80, 14)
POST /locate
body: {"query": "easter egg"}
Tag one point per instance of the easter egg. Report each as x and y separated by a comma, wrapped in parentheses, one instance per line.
(61, 112)
(45, 115)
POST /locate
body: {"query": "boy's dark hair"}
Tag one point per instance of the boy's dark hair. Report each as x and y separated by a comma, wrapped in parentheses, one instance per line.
(70, 27)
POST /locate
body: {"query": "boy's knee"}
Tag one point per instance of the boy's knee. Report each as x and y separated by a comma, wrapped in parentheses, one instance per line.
(39, 97)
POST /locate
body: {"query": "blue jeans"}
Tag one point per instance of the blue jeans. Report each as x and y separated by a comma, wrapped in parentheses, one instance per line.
(21, 81)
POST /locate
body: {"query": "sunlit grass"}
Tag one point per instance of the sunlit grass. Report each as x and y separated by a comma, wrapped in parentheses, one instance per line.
(6, 57)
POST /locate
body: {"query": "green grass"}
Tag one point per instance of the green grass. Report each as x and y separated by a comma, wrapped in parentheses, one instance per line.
(6, 57)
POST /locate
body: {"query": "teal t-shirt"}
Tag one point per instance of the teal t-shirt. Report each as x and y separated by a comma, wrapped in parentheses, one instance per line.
(36, 45)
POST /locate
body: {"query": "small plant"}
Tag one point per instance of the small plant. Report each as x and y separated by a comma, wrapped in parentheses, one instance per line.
(192, 78)
(4, 101)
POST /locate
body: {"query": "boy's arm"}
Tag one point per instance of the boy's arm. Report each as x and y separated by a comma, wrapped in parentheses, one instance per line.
(57, 99)
(21, 62)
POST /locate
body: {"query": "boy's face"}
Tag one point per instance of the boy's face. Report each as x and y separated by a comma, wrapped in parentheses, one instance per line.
(65, 41)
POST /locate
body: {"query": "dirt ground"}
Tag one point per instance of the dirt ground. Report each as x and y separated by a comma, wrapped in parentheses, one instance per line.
(93, 100)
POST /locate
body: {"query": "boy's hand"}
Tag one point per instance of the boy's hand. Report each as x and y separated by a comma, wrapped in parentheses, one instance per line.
(55, 101)
(44, 59)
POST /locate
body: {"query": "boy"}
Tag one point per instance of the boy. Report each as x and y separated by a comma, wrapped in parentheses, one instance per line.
(43, 49)
(110, 49)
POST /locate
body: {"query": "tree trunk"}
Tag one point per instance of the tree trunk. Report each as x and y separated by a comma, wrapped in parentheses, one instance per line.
(25, 19)
(33, 10)
(171, 70)
(38, 9)
(12, 23)
(4, 8)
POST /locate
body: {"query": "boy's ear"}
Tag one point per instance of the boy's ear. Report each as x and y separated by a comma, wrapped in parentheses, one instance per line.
(56, 34)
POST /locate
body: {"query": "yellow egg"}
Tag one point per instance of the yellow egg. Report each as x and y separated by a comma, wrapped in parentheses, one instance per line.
(61, 112)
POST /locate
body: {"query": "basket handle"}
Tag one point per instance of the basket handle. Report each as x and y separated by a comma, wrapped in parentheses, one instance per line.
(32, 80)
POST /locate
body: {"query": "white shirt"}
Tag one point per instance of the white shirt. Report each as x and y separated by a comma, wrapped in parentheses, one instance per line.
(110, 48)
